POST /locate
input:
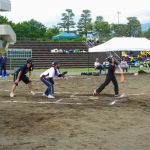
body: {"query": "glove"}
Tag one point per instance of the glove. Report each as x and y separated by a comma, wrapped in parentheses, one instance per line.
(63, 74)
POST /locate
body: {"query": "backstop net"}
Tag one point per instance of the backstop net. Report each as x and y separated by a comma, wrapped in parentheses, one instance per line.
(17, 57)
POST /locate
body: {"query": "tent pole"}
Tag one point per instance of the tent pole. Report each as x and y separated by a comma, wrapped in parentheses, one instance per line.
(88, 61)
(108, 54)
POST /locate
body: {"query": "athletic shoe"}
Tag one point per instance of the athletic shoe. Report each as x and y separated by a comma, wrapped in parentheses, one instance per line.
(116, 95)
(44, 95)
(31, 93)
(95, 93)
(50, 96)
(12, 94)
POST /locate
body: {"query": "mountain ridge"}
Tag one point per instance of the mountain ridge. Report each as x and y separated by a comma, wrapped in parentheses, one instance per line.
(145, 26)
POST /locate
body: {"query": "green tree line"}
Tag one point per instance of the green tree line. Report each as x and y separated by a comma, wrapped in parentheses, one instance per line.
(99, 28)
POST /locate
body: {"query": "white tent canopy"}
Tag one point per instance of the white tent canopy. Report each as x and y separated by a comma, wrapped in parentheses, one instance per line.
(5, 5)
(123, 44)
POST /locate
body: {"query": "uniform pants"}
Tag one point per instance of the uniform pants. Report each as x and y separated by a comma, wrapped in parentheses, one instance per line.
(100, 68)
(50, 86)
(106, 82)
(3, 67)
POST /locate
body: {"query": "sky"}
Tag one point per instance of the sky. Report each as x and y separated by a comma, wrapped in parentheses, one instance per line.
(49, 12)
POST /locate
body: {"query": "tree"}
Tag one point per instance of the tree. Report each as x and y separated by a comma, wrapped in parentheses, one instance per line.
(84, 24)
(134, 27)
(4, 20)
(67, 20)
(50, 32)
(99, 18)
(119, 30)
(147, 34)
(30, 29)
(101, 27)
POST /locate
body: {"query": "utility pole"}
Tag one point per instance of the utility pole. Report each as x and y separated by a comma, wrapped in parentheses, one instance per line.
(118, 15)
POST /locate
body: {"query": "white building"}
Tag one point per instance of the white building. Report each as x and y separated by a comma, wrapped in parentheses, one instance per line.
(6, 32)
(5, 5)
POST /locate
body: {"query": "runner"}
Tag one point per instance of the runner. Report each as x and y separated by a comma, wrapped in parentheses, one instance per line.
(20, 75)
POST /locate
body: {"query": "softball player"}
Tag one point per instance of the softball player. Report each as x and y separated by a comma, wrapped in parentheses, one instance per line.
(47, 78)
(109, 77)
(20, 75)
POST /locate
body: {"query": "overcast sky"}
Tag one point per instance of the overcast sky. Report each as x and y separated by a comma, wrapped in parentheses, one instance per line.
(48, 12)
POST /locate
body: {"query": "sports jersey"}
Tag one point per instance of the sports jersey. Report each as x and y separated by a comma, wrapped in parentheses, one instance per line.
(24, 69)
(51, 72)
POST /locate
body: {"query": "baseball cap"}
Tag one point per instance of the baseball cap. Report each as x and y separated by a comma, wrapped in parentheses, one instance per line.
(29, 61)
(55, 62)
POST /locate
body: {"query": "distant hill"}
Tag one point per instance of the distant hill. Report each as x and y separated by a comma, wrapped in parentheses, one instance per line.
(145, 26)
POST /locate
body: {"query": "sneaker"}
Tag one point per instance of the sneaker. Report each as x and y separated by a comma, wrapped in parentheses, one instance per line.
(31, 93)
(12, 94)
(50, 96)
(116, 95)
(44, 95)
(95, 93)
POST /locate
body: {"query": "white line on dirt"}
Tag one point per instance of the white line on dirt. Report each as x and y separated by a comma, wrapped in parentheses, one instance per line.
(4, 90)
(31, 102)
(64, 92)
(75, 93)
(41, 92)
(6, 80)
(57, 92)
(124, 95)
(59, 100)
(137, 94)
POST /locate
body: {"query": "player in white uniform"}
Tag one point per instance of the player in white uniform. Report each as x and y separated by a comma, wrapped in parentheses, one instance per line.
(47, 78)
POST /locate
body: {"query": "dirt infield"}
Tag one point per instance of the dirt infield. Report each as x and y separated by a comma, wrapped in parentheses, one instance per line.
(75, 120)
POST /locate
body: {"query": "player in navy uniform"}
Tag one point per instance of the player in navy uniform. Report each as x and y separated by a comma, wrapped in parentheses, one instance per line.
(47, 78)
(109, 77)
(3, 62)
(20, 75)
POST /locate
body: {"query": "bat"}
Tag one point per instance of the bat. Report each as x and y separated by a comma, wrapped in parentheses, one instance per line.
(122, 78)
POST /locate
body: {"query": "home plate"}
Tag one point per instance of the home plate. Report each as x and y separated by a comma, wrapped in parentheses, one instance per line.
(121, 96)
(112, 103)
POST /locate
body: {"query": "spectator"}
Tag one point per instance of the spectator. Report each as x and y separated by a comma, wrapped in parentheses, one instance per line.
(98, 65)
(124, 65)
(3, 62)
(106, 64)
